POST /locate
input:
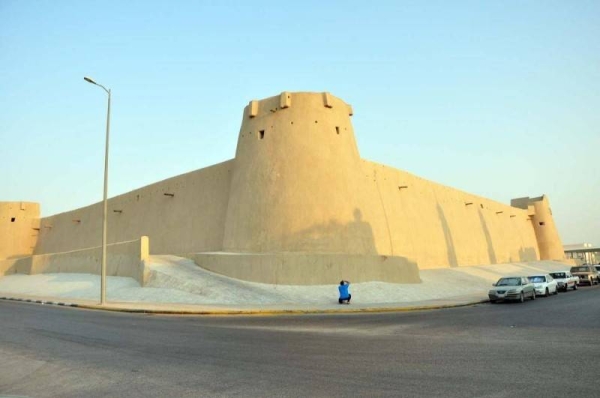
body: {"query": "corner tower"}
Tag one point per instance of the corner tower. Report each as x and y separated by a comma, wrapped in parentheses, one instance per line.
(19, 227)
(549, 243)
(294, 184)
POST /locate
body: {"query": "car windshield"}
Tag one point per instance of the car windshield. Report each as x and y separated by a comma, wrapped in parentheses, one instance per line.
(579, 269)
(509, 282)
(558, 275)
(537, 279)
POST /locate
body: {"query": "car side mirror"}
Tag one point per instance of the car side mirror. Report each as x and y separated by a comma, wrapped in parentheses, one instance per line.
(493, 284)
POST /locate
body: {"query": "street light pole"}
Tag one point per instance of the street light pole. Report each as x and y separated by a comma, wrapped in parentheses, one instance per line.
(105, 199)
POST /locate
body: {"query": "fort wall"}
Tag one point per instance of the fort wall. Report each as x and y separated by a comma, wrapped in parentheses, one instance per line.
(440, 226)
(297, 190)
(179, 215)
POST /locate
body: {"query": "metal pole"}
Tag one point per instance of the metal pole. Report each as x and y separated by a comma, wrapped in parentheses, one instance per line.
(104, 223)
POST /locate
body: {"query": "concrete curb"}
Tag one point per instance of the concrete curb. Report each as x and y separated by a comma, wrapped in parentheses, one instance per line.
(37, 301)
(282, 312)
(258, 312)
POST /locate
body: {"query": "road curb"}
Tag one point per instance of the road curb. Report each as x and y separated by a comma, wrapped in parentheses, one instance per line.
(37, 301)
(99, 307)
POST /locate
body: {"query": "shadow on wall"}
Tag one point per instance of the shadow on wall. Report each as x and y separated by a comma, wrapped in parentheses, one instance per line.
(355, 237)
(527, 254)
(450, 250)
(488, 239)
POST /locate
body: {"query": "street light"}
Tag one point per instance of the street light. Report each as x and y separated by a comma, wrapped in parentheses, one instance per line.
(105, 201)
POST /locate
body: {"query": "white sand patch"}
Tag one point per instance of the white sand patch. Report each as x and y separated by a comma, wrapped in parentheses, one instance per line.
(177, 280)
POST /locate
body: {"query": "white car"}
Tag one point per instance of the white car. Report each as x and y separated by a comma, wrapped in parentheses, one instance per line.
(544, 284)
(565, 280)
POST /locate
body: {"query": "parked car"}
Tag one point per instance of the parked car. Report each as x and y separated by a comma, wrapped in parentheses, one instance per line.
(544, 284)
(587, 274)
(565, 280)
(512, 288)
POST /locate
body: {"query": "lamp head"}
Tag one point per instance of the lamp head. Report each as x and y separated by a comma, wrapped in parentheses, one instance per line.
(89, 80)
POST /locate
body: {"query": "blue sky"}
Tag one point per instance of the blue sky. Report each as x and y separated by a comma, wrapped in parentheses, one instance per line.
(500, 99)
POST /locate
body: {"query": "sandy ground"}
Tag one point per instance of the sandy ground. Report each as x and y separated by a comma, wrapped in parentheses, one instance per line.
(177, 280)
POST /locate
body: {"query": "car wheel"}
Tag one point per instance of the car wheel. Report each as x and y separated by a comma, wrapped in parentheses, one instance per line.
(556, 290)
(522, 297)
(547, 293)
(533, 295)
(575, 286)
(493, 301)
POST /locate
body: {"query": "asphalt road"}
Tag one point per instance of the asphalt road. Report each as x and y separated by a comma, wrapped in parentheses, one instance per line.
(549, 347)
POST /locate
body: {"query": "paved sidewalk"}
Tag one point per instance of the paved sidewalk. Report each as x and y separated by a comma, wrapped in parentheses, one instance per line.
(195, 309)
(178, 286)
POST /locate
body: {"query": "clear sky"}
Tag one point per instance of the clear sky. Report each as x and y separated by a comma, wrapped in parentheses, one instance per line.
(497, 98)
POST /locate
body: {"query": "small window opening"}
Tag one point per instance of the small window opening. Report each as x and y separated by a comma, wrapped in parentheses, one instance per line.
(337, 129)
(542, 223)
(12, 219)
(261, 134)
(481, 205)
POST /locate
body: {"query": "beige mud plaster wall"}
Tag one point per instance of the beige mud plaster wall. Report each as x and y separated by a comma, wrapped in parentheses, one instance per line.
(189, 221)
(19, 224)
(441, 226)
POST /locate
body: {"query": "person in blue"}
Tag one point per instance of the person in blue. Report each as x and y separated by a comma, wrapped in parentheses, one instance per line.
(345, 295)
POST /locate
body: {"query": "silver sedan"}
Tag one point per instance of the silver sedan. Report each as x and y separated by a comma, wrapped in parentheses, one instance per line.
(512, 288)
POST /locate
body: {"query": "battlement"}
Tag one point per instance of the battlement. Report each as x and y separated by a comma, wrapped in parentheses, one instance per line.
(287, 100)
(301, 121)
